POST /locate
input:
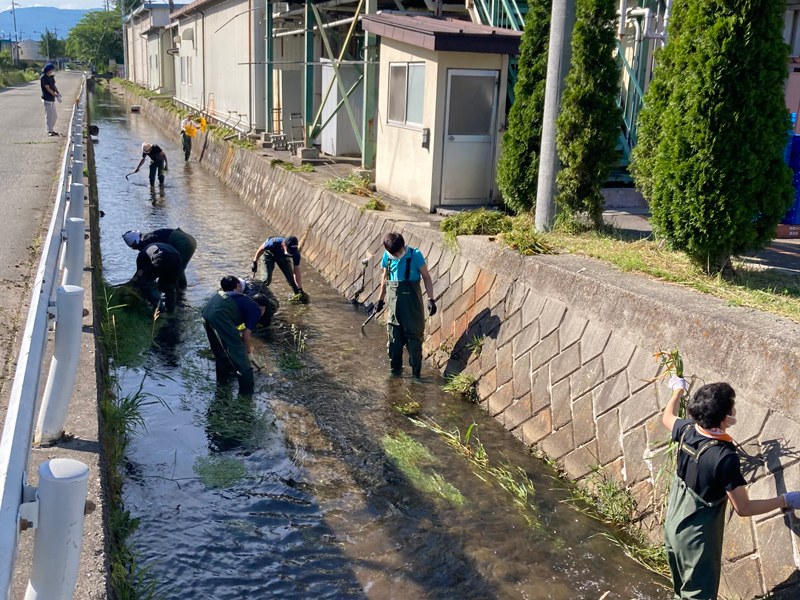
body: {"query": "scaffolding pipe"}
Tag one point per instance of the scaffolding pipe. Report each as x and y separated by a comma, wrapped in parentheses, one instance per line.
(621, 32)
(63, 366)
(316, 27)
(61, 499)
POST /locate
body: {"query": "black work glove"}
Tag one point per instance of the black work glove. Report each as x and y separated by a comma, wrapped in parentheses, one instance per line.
(379, 306)
(431, 307)
(254, 267)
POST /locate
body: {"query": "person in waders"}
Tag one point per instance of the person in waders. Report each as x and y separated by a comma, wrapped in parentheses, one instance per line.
(188, 133)
(708, 474)
(403, 267)
(184, 243)
(158, 267)
(222, 316)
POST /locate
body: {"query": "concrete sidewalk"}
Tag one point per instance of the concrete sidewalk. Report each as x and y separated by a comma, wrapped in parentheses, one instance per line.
(782, 254)
(29, 165)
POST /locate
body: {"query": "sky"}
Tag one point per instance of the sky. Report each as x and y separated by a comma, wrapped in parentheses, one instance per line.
(82, 4)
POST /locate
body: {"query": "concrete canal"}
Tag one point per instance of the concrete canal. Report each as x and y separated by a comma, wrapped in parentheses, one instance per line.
(318, 487)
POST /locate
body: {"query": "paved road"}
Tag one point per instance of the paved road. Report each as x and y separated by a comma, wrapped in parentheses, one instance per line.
(29, 163)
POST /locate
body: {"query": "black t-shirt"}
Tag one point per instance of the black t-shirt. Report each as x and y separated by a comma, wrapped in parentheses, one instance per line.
(159, 257)
(154, 154)
(159, 236)
(51, 81)
(718, 470)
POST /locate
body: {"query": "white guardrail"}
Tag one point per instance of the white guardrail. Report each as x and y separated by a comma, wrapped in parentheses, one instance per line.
(55, 509)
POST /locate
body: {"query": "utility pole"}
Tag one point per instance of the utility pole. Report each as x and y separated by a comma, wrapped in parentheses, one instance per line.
(558, 63)
(15, 54)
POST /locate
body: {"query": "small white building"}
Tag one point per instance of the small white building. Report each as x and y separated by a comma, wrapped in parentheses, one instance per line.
(29, 51)
(219, 63)
(148, 38)
(441, 108)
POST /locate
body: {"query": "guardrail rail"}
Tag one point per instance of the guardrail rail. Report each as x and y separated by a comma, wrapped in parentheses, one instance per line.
(55, 508)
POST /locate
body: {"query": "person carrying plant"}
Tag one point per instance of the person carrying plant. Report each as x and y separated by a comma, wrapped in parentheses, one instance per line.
(403, 267)
(188, 133)
(285, 253)
(50, 94)
(223, 314)
(708, 474)
(158, 162)
(184, 243)
(158, 267)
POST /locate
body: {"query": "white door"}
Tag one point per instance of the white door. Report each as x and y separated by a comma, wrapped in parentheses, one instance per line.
(469, 133)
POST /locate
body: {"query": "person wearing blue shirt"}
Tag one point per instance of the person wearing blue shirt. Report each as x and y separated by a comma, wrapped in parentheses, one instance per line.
(403, 267)
(222, 316)
(285, 253)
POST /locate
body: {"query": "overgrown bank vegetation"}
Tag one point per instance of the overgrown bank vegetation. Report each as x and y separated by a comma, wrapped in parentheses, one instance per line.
(769, 290)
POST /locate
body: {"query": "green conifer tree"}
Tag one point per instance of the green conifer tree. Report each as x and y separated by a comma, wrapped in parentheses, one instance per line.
(712, 136)
(589, 120)
(518, 168)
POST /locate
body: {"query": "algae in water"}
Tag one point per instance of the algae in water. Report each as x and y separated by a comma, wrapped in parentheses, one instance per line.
(219, 471)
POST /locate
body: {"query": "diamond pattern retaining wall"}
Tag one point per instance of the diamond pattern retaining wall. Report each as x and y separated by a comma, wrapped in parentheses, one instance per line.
(568, 348)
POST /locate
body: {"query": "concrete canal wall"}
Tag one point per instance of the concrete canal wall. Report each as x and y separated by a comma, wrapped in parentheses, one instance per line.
(568, 347)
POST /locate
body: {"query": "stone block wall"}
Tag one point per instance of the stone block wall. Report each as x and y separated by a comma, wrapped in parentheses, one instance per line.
(567, 356)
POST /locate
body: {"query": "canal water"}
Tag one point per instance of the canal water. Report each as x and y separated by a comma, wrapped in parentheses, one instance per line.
(318, 487)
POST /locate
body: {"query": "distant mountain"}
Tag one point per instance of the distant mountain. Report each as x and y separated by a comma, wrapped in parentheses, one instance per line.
(38, 18)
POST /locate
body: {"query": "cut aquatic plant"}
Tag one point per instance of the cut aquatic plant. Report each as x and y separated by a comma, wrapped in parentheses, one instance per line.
(291, 356)
(219, 471)
(352, 184)
(463, 384)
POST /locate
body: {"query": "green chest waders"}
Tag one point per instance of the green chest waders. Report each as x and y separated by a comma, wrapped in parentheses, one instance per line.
(406, 321)
(185, 244)
(693, 531)
(220, 317)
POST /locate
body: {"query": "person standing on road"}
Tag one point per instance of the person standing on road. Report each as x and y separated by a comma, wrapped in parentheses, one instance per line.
(50, 94)
(222, 316)
(158, 267)
(708, 474)
(188, 132)
(158, 162)
(184, 243)
(285, 253)
(403, 267)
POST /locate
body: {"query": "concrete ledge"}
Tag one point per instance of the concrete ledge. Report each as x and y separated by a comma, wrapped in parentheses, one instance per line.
(568, 346)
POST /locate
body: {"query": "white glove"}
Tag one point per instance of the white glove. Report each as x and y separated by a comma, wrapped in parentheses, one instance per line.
(677, 383)
(58, 97)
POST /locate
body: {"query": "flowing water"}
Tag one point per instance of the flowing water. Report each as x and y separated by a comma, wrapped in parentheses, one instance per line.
(317, 487)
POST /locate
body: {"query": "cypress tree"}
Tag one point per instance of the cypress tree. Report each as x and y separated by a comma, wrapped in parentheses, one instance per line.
(712, 136)
(589, 120)
(518, 168)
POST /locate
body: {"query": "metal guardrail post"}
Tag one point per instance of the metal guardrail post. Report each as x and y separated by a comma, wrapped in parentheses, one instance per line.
(61, 498)
(76, 246)
(76, 170)
(64, 364)
(76, 191)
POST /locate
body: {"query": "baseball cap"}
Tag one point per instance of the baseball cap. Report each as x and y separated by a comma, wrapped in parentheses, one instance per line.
(131, 238)
(291, 242)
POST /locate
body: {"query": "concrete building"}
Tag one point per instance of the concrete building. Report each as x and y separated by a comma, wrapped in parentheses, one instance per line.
(440, 112)
(219, 63)
(148, 39)
(29, 52)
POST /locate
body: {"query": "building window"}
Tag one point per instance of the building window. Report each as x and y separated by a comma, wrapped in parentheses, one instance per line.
(189, 70)
(406, 93)
(183, 69)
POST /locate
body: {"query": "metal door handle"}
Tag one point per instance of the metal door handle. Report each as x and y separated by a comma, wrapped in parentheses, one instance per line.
(450, 138)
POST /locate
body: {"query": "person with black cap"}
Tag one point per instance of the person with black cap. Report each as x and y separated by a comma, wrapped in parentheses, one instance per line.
(158, 267)
(50, 94)
(285, 253)
(158, 162)
(184, 243)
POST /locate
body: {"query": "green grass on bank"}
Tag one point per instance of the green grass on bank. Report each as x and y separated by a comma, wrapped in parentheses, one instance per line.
(9, 78)
(769, 290)
(213, 129)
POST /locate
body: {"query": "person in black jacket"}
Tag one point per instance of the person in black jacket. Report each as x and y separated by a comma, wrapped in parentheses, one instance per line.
(158, 267)
(50, 94)
(158, 162)
(184, 243)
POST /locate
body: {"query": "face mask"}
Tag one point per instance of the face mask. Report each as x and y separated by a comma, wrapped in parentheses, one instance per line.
(730, 420)
(399, 256)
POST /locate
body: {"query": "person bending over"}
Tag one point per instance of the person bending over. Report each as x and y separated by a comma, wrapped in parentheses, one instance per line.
(158, 162)
(285, 253)
(158, 267)
(184, 243)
